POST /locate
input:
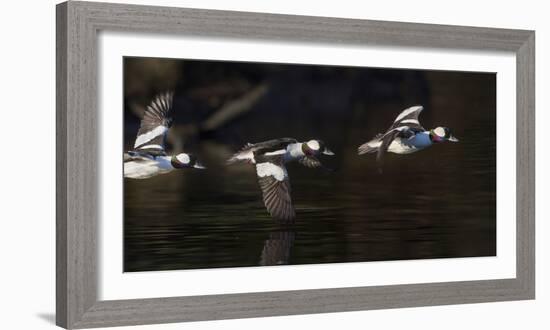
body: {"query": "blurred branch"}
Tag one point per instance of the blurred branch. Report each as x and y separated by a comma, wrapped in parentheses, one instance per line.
(137, 109)
(178, 133)
(234, 108)
(216, 93)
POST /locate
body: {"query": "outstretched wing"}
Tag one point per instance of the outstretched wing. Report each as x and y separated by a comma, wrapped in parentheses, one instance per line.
(409, 118)
(271, 145)
(247, 153)
(154, 125)
(387, 139)
(275, 185)
(135, 156)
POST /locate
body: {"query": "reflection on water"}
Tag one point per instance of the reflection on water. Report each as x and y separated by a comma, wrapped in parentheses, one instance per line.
(277, 248)
(436, 203)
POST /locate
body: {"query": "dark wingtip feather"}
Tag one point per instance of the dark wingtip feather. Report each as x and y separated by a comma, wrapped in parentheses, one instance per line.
(276, 197)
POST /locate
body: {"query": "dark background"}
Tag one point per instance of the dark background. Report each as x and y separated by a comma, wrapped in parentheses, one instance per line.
(436, 203)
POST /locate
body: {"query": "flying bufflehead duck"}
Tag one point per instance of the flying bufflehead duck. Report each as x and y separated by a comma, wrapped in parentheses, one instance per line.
(149, 157)
(270, 158)
(406, 136)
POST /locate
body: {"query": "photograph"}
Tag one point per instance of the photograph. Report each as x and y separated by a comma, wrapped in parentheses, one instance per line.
(249, 164)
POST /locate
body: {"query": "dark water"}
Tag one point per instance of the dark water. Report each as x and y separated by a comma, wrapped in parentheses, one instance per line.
(436, 203)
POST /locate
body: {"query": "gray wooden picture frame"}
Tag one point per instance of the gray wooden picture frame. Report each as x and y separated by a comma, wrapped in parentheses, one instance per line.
(78, 24)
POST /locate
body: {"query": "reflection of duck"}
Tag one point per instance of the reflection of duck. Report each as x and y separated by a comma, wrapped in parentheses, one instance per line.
(276, 249)
(406, 136)
(270, 158)
(149, 157)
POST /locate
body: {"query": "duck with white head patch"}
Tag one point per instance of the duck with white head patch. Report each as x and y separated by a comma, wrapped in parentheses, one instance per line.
(270, 158)
(406, 136)
(149, 158)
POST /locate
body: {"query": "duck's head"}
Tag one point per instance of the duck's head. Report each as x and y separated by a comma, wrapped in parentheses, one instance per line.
(315, 147)
(442, 134)
(184, 160)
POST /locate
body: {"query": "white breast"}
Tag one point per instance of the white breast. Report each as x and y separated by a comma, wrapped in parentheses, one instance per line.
(293, 152)
(148, 168)
(399, 147)
(406, 146)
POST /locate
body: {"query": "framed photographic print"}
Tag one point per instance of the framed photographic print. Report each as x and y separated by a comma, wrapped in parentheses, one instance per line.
(216, 165)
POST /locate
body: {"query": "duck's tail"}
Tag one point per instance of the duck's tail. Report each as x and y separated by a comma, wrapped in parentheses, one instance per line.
(369, 147)
(243, 156)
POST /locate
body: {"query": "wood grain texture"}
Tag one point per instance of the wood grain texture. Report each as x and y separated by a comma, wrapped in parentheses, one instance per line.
(77, 190)
(61, 166)
(77, 186)
(197, 308)
(296, 28)
(525, 165)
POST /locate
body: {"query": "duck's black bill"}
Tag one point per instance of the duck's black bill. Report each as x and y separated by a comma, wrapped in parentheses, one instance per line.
(453, 139)
(328, 152)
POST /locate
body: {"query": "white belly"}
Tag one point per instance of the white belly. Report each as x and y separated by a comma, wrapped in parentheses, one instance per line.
(398, 147)
(146, 169)
(293, 152)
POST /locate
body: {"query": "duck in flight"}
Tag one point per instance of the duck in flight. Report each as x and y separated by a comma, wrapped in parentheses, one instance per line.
(148, 158)
(406, 136)
(270, 158)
